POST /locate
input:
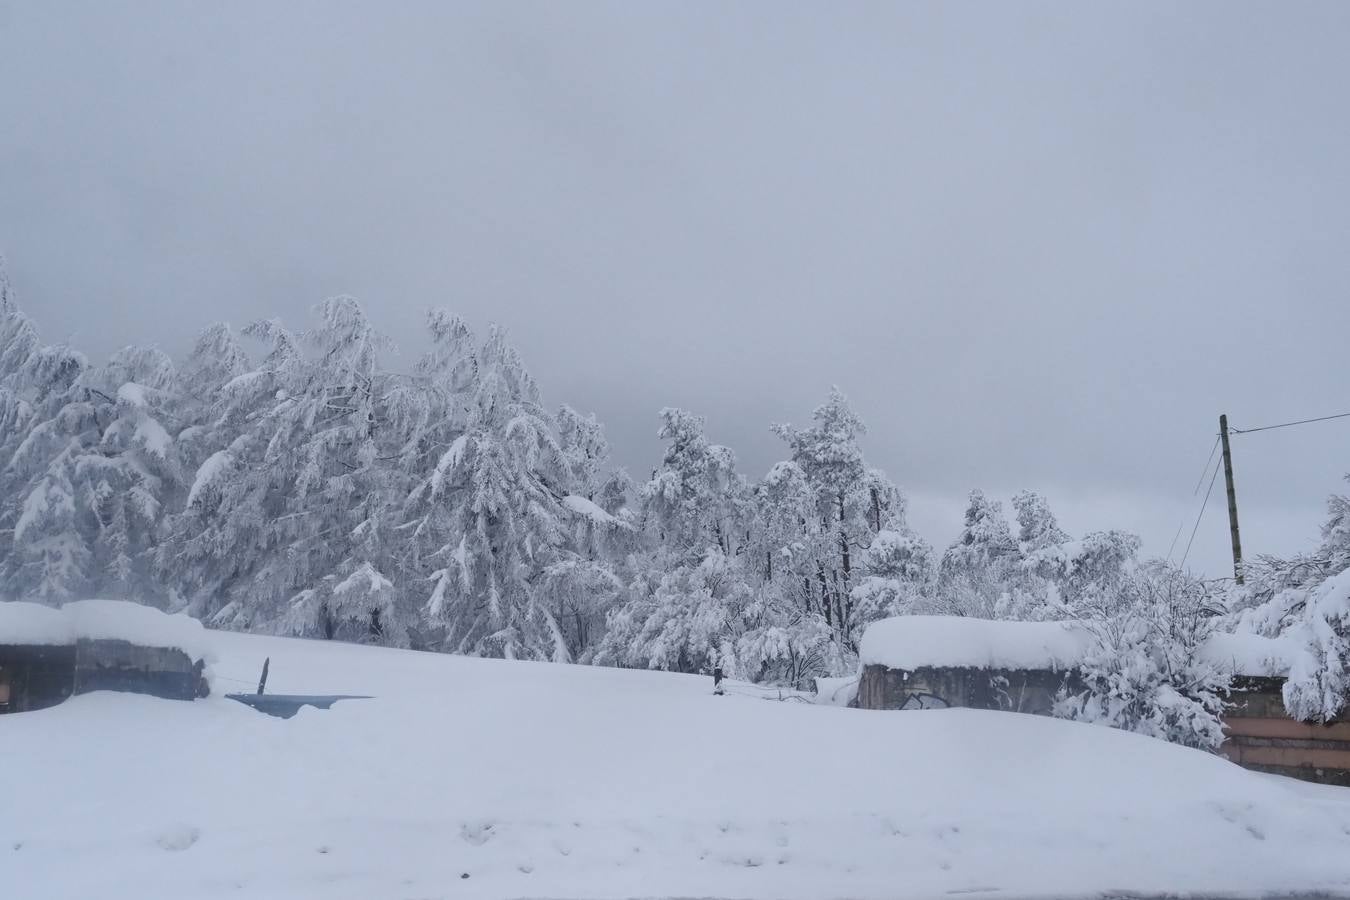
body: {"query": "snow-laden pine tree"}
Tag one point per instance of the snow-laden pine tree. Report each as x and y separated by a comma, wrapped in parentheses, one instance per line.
(134, 476)
(585, 582)
(489, 517)
(18, 344)
(89, 467)
(50, 529)
(233, 521)
(300, 500)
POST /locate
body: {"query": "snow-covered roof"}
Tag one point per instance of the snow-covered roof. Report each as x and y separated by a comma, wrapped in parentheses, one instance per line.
(912, 642)
(117, 620)
(1250, 654)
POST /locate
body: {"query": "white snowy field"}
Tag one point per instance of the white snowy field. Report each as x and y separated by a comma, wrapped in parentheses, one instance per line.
(538, 780)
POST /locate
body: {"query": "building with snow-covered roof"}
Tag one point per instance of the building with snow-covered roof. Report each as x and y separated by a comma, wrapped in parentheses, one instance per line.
(926, 662)
(48, 655)
(922, 662)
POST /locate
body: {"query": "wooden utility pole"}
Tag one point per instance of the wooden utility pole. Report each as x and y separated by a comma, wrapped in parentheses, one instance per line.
(1232, 499)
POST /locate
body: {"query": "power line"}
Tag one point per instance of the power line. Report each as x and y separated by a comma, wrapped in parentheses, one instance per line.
(1208, 491)
(1172, 546)
(1287, 424)
(1182, 524)
(1206, 468)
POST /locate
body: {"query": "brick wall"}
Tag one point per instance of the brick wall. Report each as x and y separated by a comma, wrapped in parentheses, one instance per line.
(1262, 736)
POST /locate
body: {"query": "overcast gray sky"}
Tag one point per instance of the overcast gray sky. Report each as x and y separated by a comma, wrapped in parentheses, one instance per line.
(1038, 245)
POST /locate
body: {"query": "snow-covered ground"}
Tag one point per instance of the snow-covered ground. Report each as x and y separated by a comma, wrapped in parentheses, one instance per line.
(485, 779)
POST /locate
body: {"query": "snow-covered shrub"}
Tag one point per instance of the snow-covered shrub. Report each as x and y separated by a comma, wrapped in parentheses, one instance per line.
(1318, 687)
(1145, 673)
(790, 648)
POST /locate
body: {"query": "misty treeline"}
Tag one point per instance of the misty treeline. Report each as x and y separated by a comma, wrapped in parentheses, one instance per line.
(290, 482)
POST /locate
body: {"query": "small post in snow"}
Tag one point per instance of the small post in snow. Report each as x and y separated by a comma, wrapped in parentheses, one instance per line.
(717, 681)
(262, 682)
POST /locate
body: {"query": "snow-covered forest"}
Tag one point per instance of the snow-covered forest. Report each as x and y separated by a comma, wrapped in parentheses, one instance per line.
(291, 482)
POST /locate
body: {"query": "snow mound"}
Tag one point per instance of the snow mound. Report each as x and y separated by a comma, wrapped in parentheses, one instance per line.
(473, 778)
(912, 642)
(836, 691)
(115, 620)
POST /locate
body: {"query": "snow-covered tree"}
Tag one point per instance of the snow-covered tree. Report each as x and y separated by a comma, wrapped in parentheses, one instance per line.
(985, 537)
(583, 584)
(300, 498)
(134, 476)
(974, 573)
(696, 499)
(1037, 527)
(688, 594)
(853, 503)
(493, 508)
(898, 569)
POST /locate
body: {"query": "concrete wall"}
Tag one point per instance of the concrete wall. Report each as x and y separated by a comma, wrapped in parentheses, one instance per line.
(1012, 690)
(123, 666)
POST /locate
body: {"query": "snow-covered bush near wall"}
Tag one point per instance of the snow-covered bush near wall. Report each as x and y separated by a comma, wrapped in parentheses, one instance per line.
(1305, 602)
(1147, 671)
(1319, 681)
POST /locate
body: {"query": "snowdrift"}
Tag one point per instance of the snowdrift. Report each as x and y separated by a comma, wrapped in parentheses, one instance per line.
(485, 779)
